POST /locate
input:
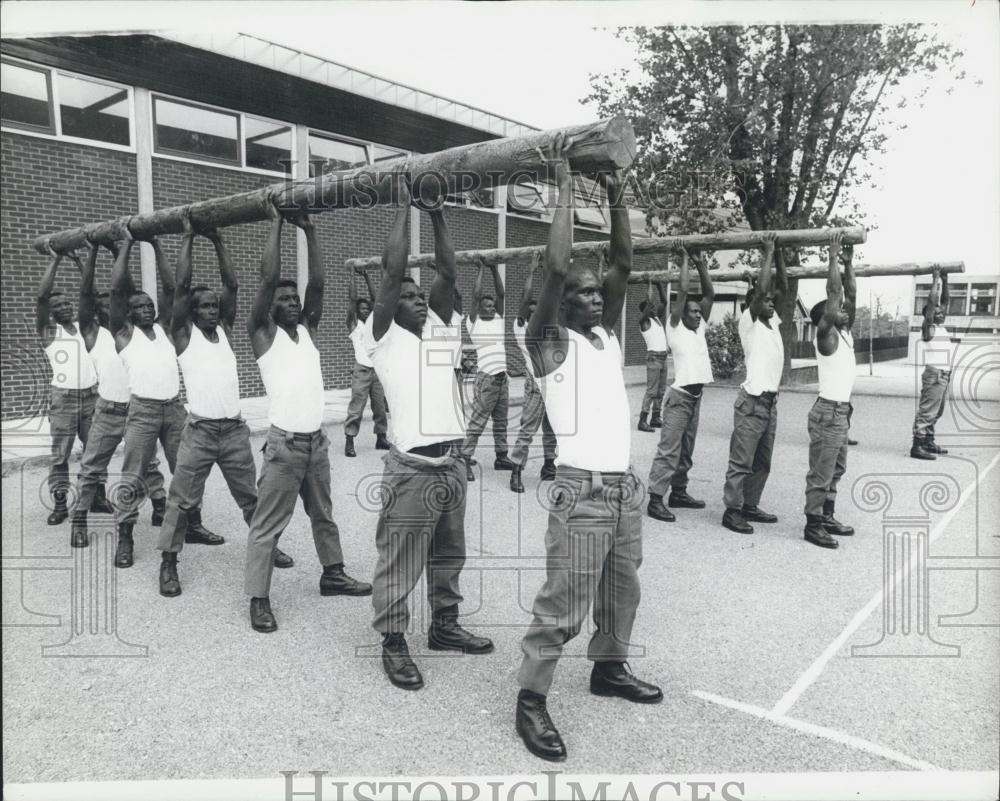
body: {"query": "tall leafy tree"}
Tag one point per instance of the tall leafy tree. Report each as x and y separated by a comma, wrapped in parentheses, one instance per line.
(767, 126)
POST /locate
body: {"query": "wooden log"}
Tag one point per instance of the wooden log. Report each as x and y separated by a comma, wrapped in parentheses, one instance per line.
(812, 271)
(735, 240)
(600, 146)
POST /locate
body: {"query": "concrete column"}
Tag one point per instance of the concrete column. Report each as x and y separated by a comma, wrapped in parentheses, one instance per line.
(300, 170)
(144, 182)
(500, 203)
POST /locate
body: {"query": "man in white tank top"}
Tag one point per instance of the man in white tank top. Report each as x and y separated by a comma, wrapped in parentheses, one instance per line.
(297, 452)
(755, 413)
(74, 383)
(364, 382)
(651, 316)
(936, 352)
(155, 411)
(422, 520)
(110, 409)
(830, 416)
(692, 370)
(533, 406)
(594, 538)
(492, 390)
(214, 432)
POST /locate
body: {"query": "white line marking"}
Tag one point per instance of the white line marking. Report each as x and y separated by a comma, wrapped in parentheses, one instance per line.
(804, 681)
(819, 731)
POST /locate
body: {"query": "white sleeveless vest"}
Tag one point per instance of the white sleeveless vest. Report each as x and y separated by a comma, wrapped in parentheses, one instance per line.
(72, 368)
(939, 352)
(836, 372)
(112, 378)
(293, 381)
(491, 349)
(210, 378)
(655, 337)
(151, 365)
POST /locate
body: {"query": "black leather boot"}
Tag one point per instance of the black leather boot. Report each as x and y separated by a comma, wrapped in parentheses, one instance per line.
(933, 447)
(123, 553)
(381, 443)
(170, 584)
(643, 425)
(446, 635)
(469, 474)
(399, 667)
(516, 484)
(832, 525)
(656, 510)
(159, 509)
(282, 559)
(59, 510)
(919, 450)
(548, 470)
(816, 533)
(100, 504)
(614, 678)
(335, 581)
(349, 446)
(502, 462)
(757, 515)
(78, 533)
(197, 534)
(261, 617)
(655, 420)
(734, 521)
(679, 499)
(538, 732)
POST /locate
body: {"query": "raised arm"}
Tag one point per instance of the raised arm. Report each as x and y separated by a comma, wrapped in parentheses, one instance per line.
(121, 287)
(227, 274)
(526, 295)
(270, 274)
(477, 293)
(498, 286)
(682, 290)
(394, 261)
(352, 301)
(707, 290)
(181, 318)
(165, 296)
(620, 251)
(850, 283)
(661, 293)
(442, 295)
(765, 279)
(781, 274)
(826, 334)
(87, 310)
(945, 293)
(312, 304)
(45, 288)
(930, 308)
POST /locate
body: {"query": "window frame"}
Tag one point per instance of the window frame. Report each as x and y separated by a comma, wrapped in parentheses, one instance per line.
(159, 150)
(347, 140)
(53, 127)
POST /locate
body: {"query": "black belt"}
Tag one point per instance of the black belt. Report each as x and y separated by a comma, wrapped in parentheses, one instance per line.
(294, 436)
(766, 395)
(434, 450)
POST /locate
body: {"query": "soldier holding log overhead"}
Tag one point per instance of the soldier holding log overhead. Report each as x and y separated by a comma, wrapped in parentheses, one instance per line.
(364, 382)
(651, 324)
(111, 407)
(937, 352)
(214, 433)
(296, 459)
(155, 411)
(486, 329)
(533, 412)
(692, 370)
(594, 537)
(755, 414)
(74, 382)
(422, 520)
(830, 416)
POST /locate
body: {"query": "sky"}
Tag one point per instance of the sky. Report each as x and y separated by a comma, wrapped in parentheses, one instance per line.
(939, 184)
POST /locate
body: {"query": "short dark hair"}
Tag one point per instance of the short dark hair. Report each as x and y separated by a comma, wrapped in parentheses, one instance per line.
(197, 290)
(643, 305)
(103, 295)
(487, 297)
(286, 282)
(55, 293)
(359, 301)
(406, 279)
(817, 311)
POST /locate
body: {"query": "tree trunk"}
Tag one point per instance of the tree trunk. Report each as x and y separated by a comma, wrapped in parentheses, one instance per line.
(816, 271)
(600, 146)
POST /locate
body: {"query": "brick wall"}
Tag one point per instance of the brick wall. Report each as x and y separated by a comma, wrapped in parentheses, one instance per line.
(47, 186)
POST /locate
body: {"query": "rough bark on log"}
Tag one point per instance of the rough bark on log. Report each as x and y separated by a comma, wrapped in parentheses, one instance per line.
(814, 271)
(600, 146)
(737, 240)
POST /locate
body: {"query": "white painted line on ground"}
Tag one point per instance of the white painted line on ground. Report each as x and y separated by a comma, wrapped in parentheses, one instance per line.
(804, 681)
(818, 731)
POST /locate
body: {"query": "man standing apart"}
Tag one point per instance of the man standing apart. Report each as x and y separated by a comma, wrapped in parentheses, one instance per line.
(74, 383)
(296, 454)
(594, 539)
(830, 415)
(486, 328)
(651, 326)
(364, 382)
(155, 411)
(422, 520)
(692, 370)
(110, 409)
(937, 351)
(755, 414)
(533, 409)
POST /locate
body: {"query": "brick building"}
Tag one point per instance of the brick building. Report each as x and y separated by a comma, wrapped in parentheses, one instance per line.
(97, 127)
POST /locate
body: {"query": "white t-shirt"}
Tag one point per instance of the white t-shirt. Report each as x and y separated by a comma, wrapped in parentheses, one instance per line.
(491, 348)
(357, 337)
(765, 356)
(692, 364)
(418, 377)
(939, 352)
(520, 335)
(743, 329)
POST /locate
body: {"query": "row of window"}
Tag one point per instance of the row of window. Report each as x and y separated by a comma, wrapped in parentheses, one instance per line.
(964, 299)
(52, 102)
